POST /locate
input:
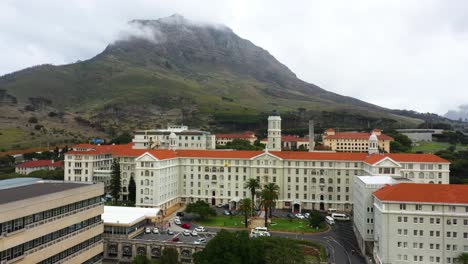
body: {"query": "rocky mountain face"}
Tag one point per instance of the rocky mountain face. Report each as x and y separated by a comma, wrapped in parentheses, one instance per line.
(173, 70)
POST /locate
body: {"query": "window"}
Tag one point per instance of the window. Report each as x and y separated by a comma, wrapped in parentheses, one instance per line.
(402, 206)
(418, 207)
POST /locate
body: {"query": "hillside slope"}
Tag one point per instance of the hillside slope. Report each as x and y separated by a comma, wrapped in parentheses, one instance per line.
(173, 70)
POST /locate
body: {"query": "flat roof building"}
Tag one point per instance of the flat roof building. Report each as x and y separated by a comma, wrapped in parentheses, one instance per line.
(62, 220)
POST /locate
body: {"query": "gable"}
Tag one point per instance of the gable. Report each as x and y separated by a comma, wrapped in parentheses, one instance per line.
(387, 162)
(266, 157)
(146, 157)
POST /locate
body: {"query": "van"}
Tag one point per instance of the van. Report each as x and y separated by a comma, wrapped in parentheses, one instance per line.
(261, 229)
(329, 220)
(331, 211)
(340, 217)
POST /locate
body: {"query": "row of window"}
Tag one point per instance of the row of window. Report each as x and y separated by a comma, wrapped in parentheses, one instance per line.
(82, 246)
(20, 223)
(420, 207)
(432, 233)
(14, 252)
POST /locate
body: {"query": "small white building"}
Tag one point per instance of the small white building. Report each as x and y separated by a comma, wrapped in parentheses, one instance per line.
(420, 223)
(174, 137)
(34, 165)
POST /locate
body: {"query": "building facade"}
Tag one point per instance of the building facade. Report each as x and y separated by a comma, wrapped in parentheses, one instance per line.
(223, 139)
(291, 142)
(354, 141)
(50, 221)
(34, 165)
(420, 223)
(174, 137)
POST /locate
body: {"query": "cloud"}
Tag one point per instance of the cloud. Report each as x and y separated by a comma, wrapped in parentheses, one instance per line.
(397, 54)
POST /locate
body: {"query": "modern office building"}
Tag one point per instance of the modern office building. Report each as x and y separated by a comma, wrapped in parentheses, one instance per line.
(355, 141)
(50, 221)
(174, 137)
(420, 223)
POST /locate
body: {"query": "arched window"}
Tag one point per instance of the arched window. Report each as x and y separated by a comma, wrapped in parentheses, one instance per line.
(213, 177)
(124, 182)
(330, 181)
(322, 180)
(124, 175)
(411, 175)
(213, 169)
(421, 175)
(314, 180)
(330, 189)
(146, 182)
(221, 169)
(431, 182)
(146, 173)
(207, 177)
(146, 191)
(431, 175)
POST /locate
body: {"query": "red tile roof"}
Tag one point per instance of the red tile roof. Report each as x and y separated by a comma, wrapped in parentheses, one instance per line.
(233, 154)
(246, 134)
(356, 135)
(40, 163)
(424, 193)
(301, 155)
(405, 157)
(84, 145)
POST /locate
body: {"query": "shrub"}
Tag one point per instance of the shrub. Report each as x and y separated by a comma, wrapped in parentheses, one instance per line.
(32, 120)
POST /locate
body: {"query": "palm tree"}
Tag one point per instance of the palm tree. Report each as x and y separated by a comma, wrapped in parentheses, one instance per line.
(252, 184)
(273, 193)
(246, 208)
(462, 258)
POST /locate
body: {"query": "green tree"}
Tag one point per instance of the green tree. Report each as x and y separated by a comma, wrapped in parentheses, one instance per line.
(462, 258)
(246, 209)
(141, 259)
(201, 208)
(48, 175)
(252, 184)
(132, 190)
(316, 219)
(169, 256)
(123, 138)
(115, 183)
(269, 195)
(239, 144)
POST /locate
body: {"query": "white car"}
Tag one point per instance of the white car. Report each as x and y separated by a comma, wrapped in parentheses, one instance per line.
(156, 230)
(194, 233)
(300, 216)
(186, 233)
(199, 241)
(306, 215)
(148, 230)
(177, 222)
(200, 229)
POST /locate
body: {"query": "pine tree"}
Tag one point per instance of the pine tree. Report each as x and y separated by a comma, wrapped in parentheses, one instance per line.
(115, 184)
(132, 190)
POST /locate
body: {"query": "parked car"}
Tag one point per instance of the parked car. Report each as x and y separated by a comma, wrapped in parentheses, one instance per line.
(180, 214)
(186, 226)
(200, 229)
(220, 205)
(177, 222)
(156, 230)
(194, 233)
(290, 216)
(226, 206)
(227, 212)
(175, 239)
(170, 232)
(306, 215)
(186, 233)
(300, 216)
(199, 241)
(148, 230)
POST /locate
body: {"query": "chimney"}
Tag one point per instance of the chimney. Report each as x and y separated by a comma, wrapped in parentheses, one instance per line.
(311, 136)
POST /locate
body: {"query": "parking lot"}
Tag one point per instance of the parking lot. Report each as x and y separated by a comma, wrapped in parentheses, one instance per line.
(164, 237)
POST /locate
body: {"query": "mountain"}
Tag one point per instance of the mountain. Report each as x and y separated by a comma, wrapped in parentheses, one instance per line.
(460, 114)
(173, 70)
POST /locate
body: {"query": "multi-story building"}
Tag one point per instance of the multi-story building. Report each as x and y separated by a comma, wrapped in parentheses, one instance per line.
(174, 137)
(291, 142)
(50, 221)
(420, 223)
(223, 139)
(354, 141)
(34, 165)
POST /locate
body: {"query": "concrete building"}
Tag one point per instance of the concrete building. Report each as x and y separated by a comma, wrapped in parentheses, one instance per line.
(417, 135)
(223, 139)
(291, 142)
(50, 221)
(354, 141)
(174, 137)
(420, 223)
(363, 208)
(34, 165)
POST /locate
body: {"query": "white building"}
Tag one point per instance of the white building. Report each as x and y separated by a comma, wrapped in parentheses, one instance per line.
(174, 137)
(34, 165)
(420, 223)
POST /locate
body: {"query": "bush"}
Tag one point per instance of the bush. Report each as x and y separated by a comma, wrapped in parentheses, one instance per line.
(32, 120)
(38, 127)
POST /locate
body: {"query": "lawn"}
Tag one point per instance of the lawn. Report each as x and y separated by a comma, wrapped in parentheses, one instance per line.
(434, 146)
(223, 221)
(293, 225)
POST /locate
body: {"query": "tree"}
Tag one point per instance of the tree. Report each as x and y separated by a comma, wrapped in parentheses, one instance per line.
(252, 184)
(316, 219)
(273, 193)
(115, 184)
(201, 208)
(246, 208)
(132, 190)
(462, 258)
(123, 138)
(239, 144)
(141, 259)
(169, 256)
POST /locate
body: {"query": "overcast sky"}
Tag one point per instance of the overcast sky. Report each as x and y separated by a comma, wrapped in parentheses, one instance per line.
(398, 54)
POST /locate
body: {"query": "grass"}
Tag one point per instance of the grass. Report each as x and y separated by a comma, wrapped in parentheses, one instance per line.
(434, 146)
(11, 136)
(223, 221)
(293, 225)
